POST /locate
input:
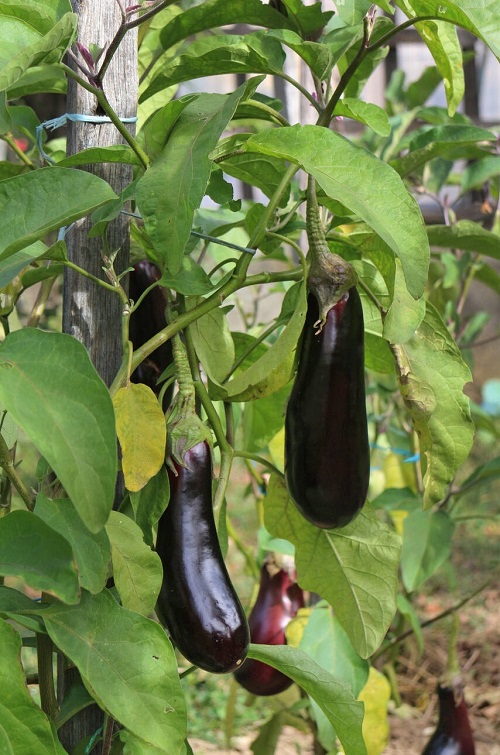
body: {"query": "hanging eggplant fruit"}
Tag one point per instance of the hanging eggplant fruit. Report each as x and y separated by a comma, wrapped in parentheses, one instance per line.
(327, 454)
(453, 735)
(278, 602)
(145, 323)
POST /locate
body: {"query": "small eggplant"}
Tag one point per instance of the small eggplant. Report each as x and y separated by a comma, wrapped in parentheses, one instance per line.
(453, 735)
(145, 323)
(197, 602)
(327, 455)
(277, 603)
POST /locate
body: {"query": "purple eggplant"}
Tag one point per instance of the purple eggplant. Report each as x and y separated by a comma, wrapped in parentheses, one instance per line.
(453, 735)
(327, 454)
(145, 323)
(278, 601)
(197, 601)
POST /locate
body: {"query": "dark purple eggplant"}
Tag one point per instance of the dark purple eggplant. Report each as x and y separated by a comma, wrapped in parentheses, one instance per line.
(277, 603)
(197, 601)
(327, 455)
(145, 323)
(453, 735)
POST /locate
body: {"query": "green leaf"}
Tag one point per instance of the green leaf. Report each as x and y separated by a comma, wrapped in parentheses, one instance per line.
(213, 344)
(465, 235)
(158, 127)
(214, 13)
(273, 369)
(354, 568)
(13, 265)
(91, 551)
(38, 555)
(431, 375)
(317, 56)
(137, 570)
(257, 170)
(184, 167)
(116, 153)
(55, 395)
(333, 696)
(190, 280)
(127, 662)
(480, 171)
(442, 40)
(149, 503)
(406, 608)
(267, 740)
(42, 79)
(24, 728)
(426, 545)
(353, 11)
(263, 418)
(17, 606)
(353, 176)
(482, 19)
(436, 141)
(22, 47)
(371, 115)
(62, 196)
(217, 54)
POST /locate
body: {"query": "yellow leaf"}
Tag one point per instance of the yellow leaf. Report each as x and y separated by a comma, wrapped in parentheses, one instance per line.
(398, 518)
(295, 628)
(277, 449)
(141, 430)
(375, 695)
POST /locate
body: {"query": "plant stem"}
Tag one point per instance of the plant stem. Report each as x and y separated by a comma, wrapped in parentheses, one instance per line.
(7, 464)
(18, 151)
(275, 115)
(104, 103)
(245, 552)
(99, 281)
(447, 612)
(41, 301)
(48, 697)
(107, 737)
(260, 460)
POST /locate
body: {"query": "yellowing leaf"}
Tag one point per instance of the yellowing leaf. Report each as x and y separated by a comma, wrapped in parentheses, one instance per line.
(375, 695)
(277, 449)
(398, 518)
(295, 628)
(141, 430)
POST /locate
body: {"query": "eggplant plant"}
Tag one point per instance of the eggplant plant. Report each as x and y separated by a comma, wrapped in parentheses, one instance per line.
(125, 553)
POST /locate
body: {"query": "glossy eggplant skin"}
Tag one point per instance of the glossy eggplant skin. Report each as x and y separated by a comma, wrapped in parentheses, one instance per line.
(197, 601)
(278, 601)
(453, 735)
(145, 323)
(327, 455)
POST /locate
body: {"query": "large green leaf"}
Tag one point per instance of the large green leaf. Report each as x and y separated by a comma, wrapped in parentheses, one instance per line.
(35, 203)
(17, 606)
(431, 375)
(214, 13)
(213, 344)
(24, 728)
(128, 663)
(354, 568)
(23, 47)
(426, 545)
(172, 189)
(54, 393)
(137, 570)
(465, 235)
(38, 555)
(91, 551)
(333, 696)
(482, 19)
(354, 177)
(218, 54)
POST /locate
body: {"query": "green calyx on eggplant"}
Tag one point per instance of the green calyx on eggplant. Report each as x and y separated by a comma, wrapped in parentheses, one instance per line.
(197, 601)
(453, 734)
(327, 454)
(278, 601)
(145, 323)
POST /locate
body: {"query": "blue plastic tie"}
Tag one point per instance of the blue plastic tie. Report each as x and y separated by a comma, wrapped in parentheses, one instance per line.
(92, 740)
(61, 120)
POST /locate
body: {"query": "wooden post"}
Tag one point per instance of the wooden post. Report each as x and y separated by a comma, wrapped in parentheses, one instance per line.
(90, 313)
